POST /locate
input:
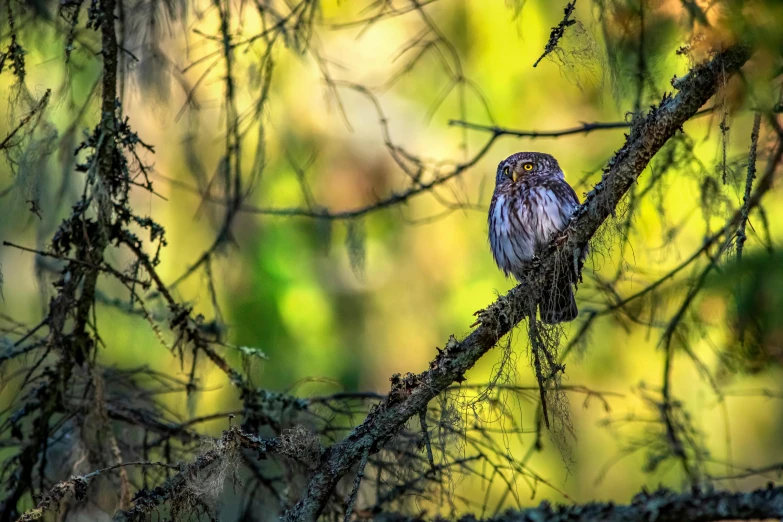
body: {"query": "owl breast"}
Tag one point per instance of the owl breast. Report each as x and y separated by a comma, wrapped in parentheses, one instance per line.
(523, 218)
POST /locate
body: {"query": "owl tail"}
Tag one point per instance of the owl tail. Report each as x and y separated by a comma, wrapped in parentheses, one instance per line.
(559, 305)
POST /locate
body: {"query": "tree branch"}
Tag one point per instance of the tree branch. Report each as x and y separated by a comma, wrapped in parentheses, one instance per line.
(663, 506)
(584, 128)
(146, 501)
(26, 119)
(558, 31)
(412, 393)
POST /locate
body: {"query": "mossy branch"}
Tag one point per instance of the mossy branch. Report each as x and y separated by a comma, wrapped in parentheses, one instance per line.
(663, 506)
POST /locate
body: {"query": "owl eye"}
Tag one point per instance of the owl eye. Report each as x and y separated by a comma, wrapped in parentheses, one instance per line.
(527, 166)
(505, 170)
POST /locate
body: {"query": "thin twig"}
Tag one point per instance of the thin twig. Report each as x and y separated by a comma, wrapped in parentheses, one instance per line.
(754, 141)
(357, 481)
(38, 107)
(425, 433)
(558, 31)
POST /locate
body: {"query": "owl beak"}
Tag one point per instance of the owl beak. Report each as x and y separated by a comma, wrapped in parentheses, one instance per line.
(515, 176)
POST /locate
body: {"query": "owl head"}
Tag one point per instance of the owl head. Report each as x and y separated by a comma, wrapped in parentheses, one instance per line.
(524, 164)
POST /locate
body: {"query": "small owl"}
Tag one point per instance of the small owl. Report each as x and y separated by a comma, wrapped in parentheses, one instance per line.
(531, 202)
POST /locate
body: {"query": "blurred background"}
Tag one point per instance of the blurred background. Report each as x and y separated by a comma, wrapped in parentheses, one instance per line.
(340, 303)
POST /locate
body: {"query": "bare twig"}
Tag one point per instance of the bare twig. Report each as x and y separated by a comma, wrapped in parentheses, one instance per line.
(26, 119)
(425, 434)
(357, 481)
(754, 140)
(559, 30)
(584, 128)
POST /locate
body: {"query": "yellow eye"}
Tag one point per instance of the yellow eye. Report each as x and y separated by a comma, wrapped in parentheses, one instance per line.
(505, 170)
(528, 166)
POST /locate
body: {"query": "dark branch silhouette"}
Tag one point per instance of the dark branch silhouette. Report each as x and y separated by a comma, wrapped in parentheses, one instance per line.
(664, 505)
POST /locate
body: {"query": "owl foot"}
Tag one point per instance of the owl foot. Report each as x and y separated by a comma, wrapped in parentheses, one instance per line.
(560, 240)
(477, 314)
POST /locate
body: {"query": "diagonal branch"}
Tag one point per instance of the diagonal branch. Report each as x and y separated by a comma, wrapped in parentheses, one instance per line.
(412, 394)
(6, 143)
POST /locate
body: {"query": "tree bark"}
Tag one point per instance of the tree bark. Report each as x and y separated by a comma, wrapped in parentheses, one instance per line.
(662, 506)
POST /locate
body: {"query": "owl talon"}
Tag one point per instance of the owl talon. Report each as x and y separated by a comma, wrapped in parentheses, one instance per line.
(477, 313)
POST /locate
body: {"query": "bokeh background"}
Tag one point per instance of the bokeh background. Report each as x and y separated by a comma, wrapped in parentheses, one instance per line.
(287, 285)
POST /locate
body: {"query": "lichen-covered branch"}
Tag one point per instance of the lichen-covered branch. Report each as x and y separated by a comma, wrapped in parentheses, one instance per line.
(663, 506)
(558, 31)
(180, 486)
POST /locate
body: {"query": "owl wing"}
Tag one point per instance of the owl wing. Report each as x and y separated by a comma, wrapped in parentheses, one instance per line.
(570, 202)
(568, 193)
(554, 201)
(565, 195)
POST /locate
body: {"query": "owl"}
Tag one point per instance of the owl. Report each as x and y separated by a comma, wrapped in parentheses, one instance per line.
(531, 203)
